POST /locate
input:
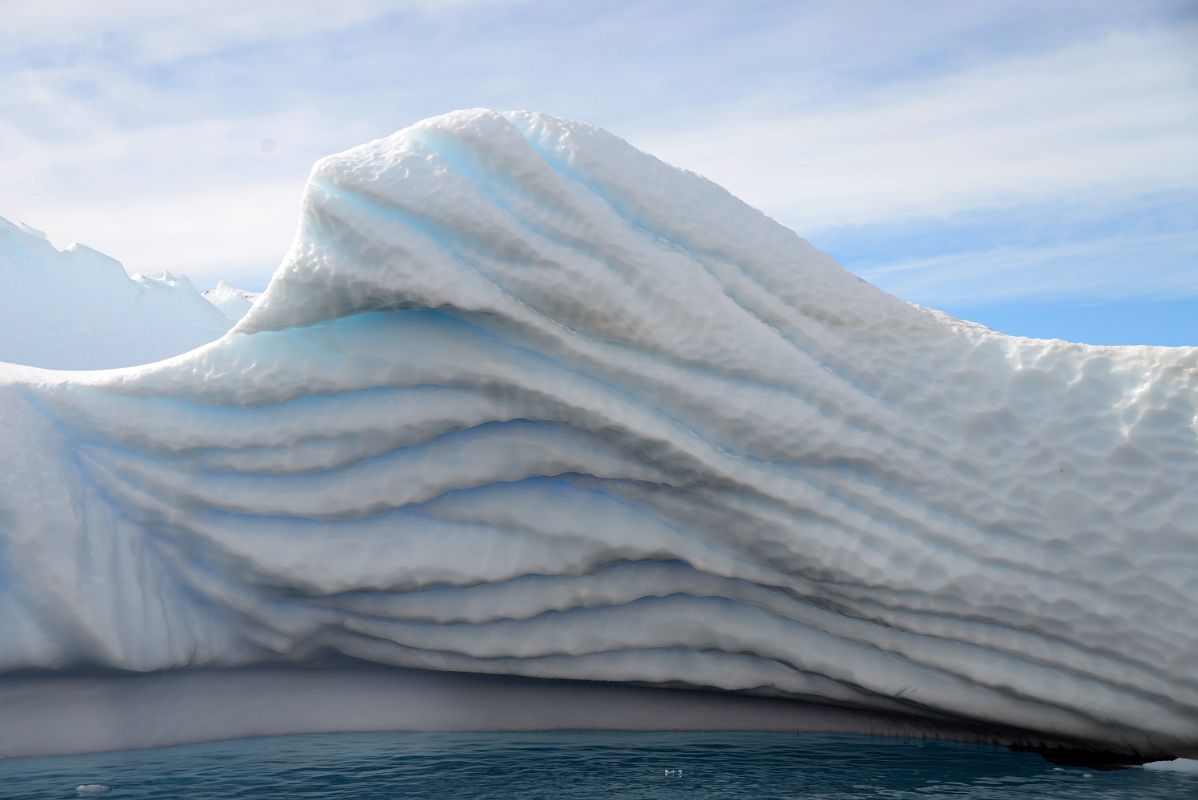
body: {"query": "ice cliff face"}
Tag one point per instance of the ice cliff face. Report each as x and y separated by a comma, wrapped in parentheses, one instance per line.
(78, 309)
(524, 400)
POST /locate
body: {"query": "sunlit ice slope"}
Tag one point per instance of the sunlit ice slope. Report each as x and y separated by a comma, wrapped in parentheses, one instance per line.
(523, 400)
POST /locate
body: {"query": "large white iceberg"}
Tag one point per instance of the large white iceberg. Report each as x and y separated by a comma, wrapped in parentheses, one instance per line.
(524, 400)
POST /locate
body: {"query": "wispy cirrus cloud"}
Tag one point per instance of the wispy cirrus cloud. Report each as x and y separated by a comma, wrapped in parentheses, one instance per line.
(153, 32)
(1111, 117)
(1103, 130)
(1092, 269)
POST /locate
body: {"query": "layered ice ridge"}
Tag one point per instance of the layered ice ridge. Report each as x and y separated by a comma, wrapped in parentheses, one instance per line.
(524, 400)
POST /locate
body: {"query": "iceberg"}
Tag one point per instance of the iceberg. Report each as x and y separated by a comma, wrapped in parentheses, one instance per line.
(233, 303)
(522, 401)
(78, 309)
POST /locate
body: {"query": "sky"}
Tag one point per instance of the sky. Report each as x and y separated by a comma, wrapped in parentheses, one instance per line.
(1029, 165)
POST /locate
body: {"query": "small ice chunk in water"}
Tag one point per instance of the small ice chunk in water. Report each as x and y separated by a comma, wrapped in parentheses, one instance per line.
(93, 788)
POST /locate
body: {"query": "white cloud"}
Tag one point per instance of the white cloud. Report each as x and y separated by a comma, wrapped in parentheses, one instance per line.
(212, 199)
(149, 31)
(1113, 116)
(1105, 268)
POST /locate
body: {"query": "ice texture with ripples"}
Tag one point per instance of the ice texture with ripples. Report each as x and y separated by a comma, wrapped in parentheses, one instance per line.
(523, 400)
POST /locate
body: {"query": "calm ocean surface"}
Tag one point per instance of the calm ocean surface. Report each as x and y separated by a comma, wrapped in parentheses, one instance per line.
(464, 766)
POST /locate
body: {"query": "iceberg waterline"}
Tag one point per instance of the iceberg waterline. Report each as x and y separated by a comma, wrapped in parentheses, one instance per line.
(523, 400)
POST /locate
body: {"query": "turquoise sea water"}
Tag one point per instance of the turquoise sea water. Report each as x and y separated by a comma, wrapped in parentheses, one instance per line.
(558, 765)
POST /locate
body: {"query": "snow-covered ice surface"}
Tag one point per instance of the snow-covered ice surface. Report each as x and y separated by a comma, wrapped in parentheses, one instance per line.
(78, 309)
(233, 303)
(524, 400)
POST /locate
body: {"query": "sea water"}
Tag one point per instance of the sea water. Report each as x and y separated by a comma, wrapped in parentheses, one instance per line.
(563, 765)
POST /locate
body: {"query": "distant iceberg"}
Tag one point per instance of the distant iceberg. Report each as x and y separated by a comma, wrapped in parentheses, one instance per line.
(233, 303)
(523, 400)
(78, 309)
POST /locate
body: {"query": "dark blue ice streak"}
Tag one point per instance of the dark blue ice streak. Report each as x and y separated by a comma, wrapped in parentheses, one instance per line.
(553, 765)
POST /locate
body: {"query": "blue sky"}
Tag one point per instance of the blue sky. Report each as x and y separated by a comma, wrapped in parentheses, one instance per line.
(1029, 165)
